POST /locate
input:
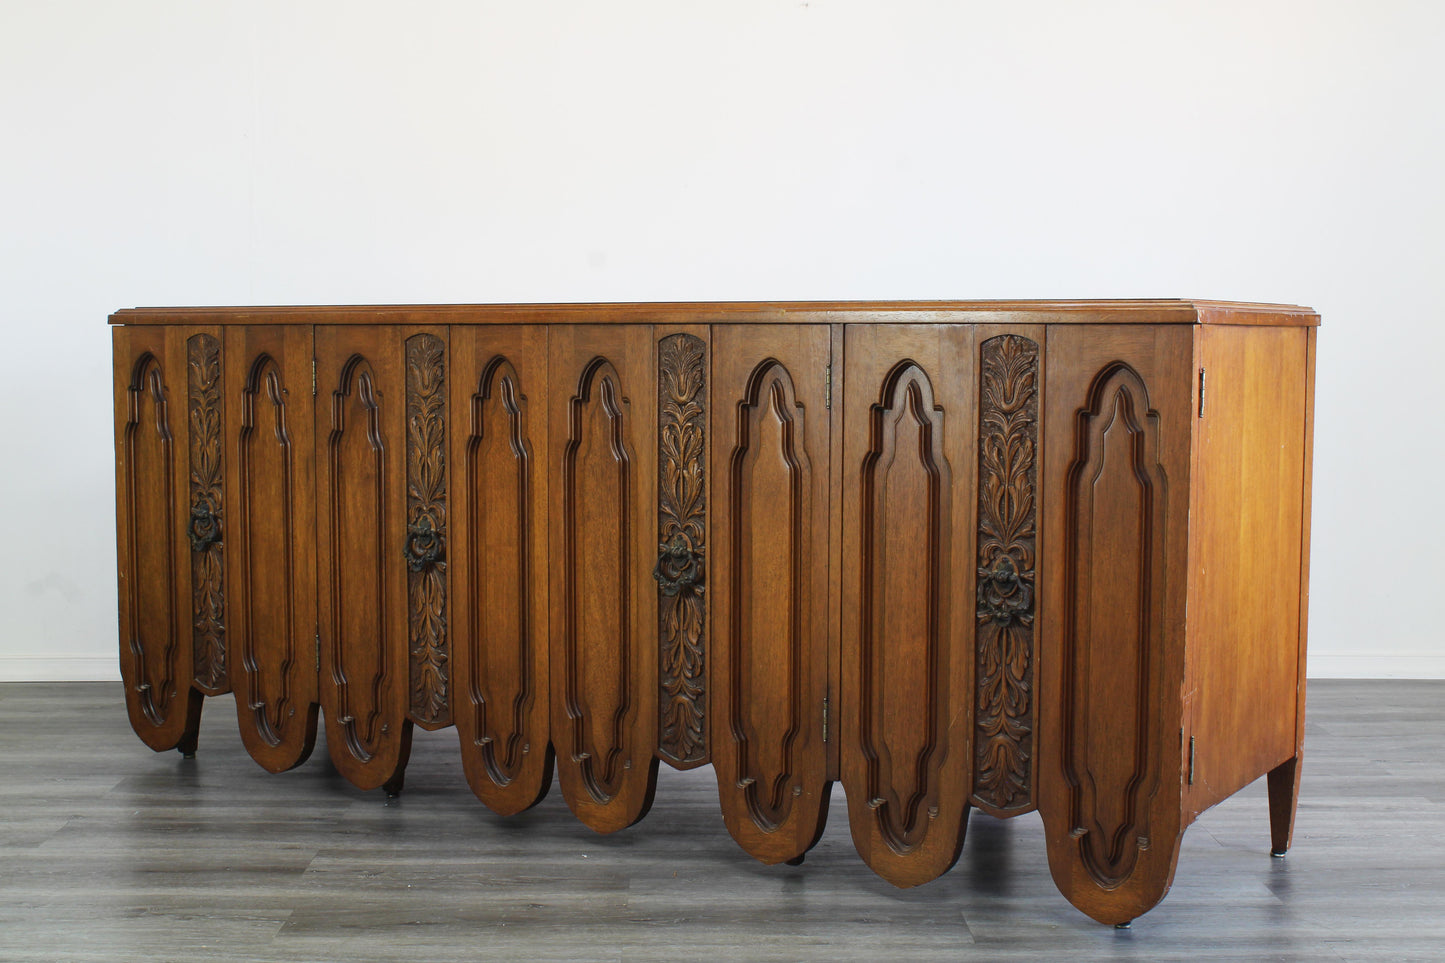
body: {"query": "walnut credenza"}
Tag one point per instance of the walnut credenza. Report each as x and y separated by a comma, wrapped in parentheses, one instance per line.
(995, 555)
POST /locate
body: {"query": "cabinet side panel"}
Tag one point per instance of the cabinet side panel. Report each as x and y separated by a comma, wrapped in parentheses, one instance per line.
(1245, 558)
(1306, 501)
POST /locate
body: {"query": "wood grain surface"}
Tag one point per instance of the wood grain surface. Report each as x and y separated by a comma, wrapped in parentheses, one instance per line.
(270, 529)
(771, 431)
(906, 725)
(1036, 564)
(1116, 522)
(1145, 311)
(498, 563)
(603, 517)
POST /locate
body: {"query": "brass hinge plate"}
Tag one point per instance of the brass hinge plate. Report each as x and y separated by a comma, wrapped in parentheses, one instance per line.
(828, 386)
(313, 377)
(825, 718)
(1201, 392)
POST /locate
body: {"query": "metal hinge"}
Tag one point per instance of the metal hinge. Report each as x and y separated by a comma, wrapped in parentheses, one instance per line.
(1191, 760)
(318, 651)
(313, 377)
(828, 386)
(825, 718)
(1201, 392)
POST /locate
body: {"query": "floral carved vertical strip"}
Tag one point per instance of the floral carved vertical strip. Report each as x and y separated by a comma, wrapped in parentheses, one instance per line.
(681, 528)
(1004, 639)
(426, 522)
(208, 606)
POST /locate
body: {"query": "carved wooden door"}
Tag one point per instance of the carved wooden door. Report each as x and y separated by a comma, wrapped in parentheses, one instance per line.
(166, 635)
(603, 466)
(269, 530)
(771, 437)
(498, 561)
(381, 532)
(1119, 410)
(904, 721)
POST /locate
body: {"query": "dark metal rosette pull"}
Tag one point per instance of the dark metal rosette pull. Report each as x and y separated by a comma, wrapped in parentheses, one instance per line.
(679, 566)
(204, 528)
(425, 545)
(1004, 594)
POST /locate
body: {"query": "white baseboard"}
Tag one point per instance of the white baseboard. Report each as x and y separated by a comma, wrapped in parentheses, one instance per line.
(1376, 666)
(23, 668)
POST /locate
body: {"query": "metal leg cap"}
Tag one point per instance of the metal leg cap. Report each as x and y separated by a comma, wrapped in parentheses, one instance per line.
(1126, 925)
(1277, 853)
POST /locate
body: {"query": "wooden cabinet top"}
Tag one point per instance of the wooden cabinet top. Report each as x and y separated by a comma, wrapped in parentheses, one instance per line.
(1167, 311)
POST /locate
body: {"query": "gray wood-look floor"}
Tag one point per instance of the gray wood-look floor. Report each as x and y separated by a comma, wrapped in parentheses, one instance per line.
(111, 852)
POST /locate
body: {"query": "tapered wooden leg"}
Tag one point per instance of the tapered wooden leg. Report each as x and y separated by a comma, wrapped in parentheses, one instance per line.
(1283, 798)
(187, 746)
(393, 786)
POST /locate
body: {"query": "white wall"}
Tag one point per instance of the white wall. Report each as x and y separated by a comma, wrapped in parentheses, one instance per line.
(156, 153)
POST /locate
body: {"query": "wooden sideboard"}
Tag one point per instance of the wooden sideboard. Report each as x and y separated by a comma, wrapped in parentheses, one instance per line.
(1002, 556)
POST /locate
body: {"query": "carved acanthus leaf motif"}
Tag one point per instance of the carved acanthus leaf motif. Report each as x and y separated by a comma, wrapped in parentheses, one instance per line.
(682, 527)
(426, 523)
(208, 607)
(1004, 640)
